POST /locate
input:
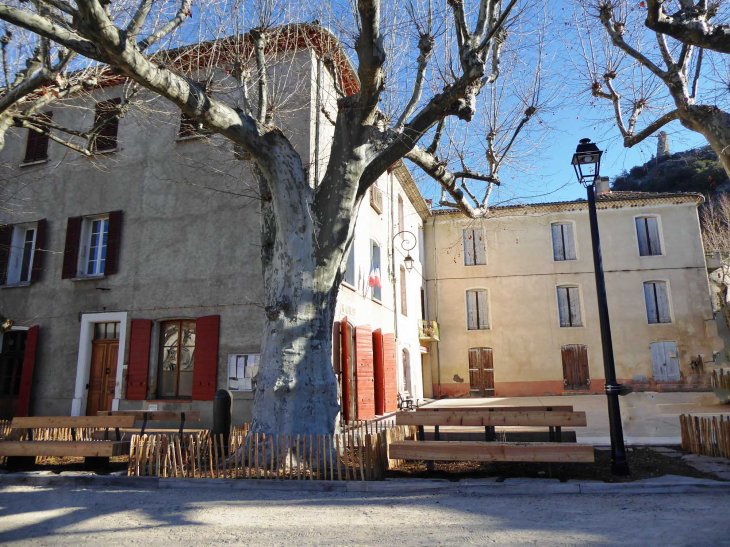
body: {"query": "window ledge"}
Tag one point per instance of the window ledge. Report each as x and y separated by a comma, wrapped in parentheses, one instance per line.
(102, 152)
(30, 163)
(16, 285)
(88, 278)
(346, 284)
(380, 302)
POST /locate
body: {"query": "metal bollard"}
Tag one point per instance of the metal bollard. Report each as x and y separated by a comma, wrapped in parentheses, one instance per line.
(222, 407)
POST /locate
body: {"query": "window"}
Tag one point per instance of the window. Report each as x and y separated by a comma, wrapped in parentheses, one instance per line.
(477, 310)
(647, 230)
(475, 251)
(177, 348)
(22, 250)
(403, 296)
(656, 295)
(374, 280)
(11, 362)
(98, 230)
(242, 371)
(106, 125)
(401, 217)
(106, 331)
(36, 148)
(569, 307)
(563, 241)
(350, 266)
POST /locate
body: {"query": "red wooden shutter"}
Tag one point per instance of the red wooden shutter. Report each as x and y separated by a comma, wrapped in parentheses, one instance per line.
(139, 359)
(112, 243)
(365, 378)
(71, 249)
(38, 253)
(26, 377)
(205, 365)
(6, 239)
(36, 148)
(346, 349)
(379, 372)
(390, 373)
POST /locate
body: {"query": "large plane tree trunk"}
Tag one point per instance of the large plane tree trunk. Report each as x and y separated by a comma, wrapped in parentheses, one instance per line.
(714, 125)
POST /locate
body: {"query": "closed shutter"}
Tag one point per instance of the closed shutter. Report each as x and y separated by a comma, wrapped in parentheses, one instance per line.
(468, 236)
(6, 239)
(471, 310)
(36, 148)
(390, 374)
(205, 366)
(71, 248)
(662, 300)
(568, 241)
(652, 227)
(39, 251)
(641, 233)
(364, 373)
(139, 359)
(575, 316)
(480, 248)
(379, 372)
(558, 249)
(106, 138)
(563, 307)
(650, 298)
(483, 308)
(26, 377)
(114, 236)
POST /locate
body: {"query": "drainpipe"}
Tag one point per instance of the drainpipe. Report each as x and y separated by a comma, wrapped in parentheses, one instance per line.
(392, 263)
(318, 107)
(436, 292)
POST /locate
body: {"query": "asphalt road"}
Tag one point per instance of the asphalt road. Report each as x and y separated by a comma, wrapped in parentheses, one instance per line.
(105, 516)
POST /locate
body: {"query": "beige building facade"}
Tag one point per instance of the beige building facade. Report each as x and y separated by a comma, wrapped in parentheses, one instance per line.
(515, 302)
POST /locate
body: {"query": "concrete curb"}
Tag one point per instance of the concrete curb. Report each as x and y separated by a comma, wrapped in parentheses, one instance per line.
(525, 487)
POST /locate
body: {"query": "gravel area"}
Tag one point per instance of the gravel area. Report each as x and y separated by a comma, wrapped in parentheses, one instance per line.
(102, 516)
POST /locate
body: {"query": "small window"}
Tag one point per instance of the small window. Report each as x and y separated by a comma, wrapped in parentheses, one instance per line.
(106, 331)
(177, 359)
(242, 371)
(475, 250)
(374, 278)
(403, 295)
(569, 307)
(563, 241)
(477, 310)
(96, 244)
(656, 295)
(22, 251)
(106, 125)
(350, 266)
(647, 230)
(36, 148)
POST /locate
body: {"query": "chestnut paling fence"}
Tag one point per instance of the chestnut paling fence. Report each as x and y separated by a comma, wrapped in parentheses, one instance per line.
(720, 379)
(708, 436)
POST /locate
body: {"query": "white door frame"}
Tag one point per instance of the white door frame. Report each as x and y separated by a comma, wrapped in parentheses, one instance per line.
(83, 364)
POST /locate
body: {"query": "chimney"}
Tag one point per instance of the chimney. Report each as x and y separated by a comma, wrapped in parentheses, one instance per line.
(662, 147)
(602, 186)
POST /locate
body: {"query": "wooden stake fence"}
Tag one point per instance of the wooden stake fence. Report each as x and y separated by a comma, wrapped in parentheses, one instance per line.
(707, 436)
(721, 379)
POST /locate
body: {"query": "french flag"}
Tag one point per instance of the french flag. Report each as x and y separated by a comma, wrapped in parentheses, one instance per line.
(375, 277)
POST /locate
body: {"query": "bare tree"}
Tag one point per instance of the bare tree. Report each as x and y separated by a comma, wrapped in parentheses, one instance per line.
(307, 228)
(640, 73)
(715, 223)
(692, 23)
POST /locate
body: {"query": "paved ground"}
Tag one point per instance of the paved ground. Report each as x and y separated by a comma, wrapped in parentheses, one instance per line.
(648, 417)
(78, 516)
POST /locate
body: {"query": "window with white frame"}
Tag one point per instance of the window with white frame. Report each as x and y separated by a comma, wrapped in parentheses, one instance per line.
(94, 238)
(569, 307)
(477, 310)
(242, 371)
(22, 248)
(647, 231)
(656, 295)
(563, 241)
(475, 249)
(350, 266)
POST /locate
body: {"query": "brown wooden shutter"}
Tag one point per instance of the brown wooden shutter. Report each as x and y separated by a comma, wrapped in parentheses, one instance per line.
(379, 372)
(6, 239)
(38, 253)
(390, 381)
(139, 359)
(205, 366)
(114, 236)
(71, 249)
(36, 148)
(365, 377)
(26, 377)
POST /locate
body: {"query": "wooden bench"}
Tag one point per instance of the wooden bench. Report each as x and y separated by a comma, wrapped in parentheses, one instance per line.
(147, 416)
(29, 449)
(490, 450)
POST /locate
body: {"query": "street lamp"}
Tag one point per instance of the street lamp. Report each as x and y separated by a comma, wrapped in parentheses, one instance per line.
(587, 164)
(407, 247)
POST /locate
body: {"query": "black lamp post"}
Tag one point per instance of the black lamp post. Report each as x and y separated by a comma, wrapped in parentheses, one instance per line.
(587, 165)
(407, 246)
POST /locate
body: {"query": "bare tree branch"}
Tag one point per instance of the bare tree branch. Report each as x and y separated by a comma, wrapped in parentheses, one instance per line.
(690, 25)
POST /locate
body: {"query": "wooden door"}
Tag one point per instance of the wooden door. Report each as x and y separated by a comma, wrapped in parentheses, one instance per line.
(665, 362)
(481, 372)
(102, 376)
(575, 367)
(11, 368)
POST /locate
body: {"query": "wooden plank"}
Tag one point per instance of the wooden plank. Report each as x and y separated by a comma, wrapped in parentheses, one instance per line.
(72, 421)
(504, 419)
(86, 449)
(491, 452)
(155, 415)
(431, 408)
